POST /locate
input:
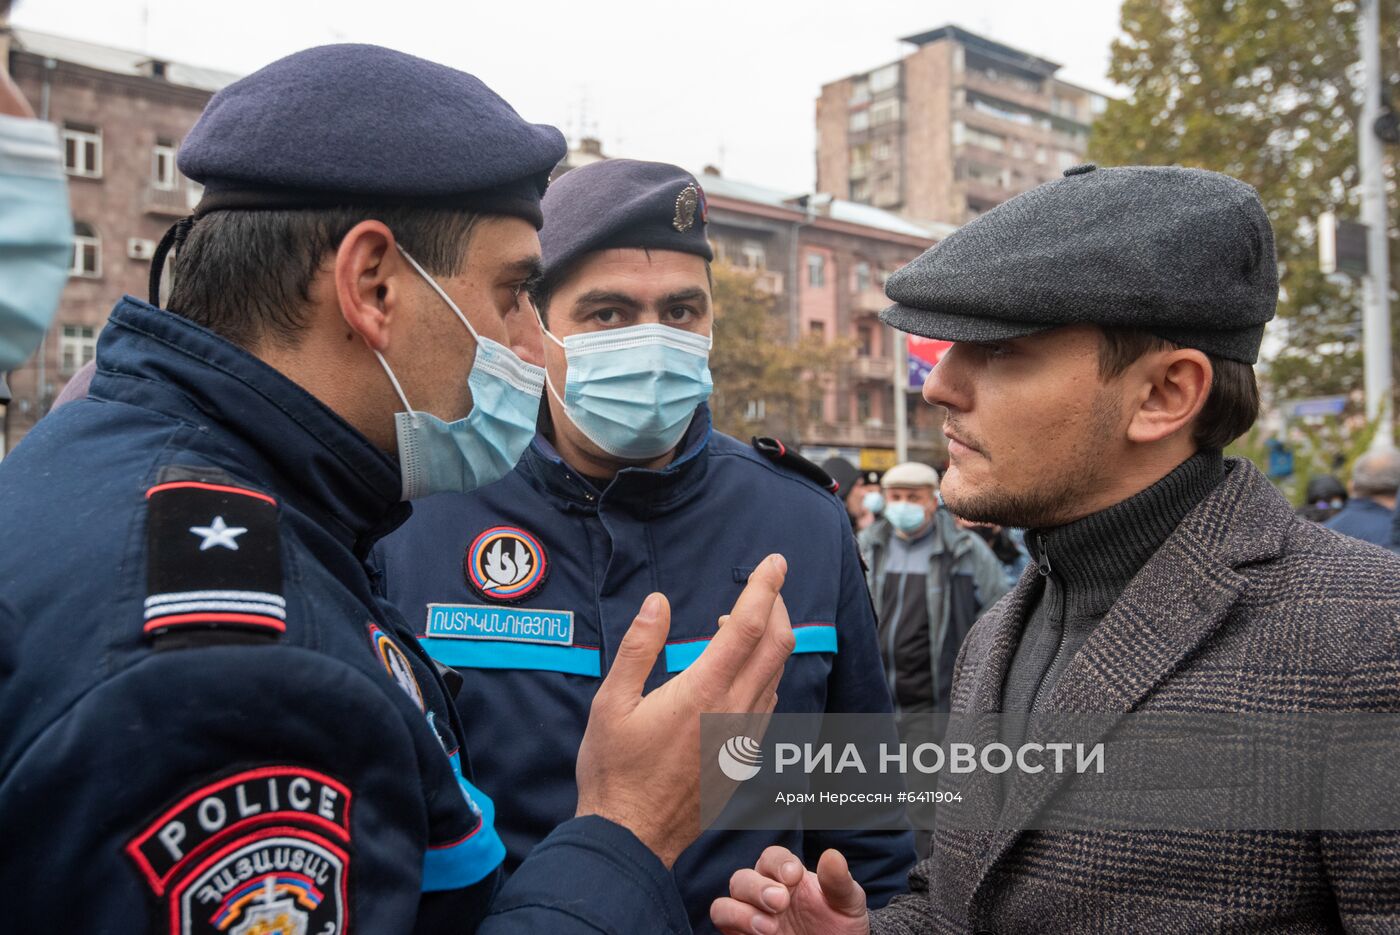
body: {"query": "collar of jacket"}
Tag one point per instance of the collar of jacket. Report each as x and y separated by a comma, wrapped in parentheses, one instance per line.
(1096, 556)
(281, 436)
(639, 490)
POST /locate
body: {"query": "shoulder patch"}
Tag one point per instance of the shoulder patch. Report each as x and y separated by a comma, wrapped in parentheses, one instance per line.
(775, 451)
(506, 564)
(214, 560)
(395, 662)
(262, 850)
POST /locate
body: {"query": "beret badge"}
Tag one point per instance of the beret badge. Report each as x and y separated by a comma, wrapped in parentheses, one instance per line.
(687, 202)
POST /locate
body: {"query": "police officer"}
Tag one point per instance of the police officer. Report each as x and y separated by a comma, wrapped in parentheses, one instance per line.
(627, 489)
(211, 724)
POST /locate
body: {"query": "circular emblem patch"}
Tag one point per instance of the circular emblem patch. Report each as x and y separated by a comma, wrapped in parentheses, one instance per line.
(505, 563)
(397, 665)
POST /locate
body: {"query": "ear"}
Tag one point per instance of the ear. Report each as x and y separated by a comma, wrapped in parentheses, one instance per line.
(365, 286)
(1176, 385)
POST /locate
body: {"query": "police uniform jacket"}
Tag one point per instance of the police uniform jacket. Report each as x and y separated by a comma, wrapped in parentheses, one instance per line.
(211, 724)
(527, 586)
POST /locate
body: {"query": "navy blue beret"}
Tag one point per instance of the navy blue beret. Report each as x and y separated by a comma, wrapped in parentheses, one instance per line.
(361, 124)
(1185, 254)
(621, 203)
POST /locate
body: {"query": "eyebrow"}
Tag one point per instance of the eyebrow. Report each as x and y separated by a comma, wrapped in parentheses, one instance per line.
(604, 296)
(529, 268)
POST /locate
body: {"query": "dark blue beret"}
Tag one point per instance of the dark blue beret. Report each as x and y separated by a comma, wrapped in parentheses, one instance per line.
(361, 124)
(622, 203)
(1185, 254)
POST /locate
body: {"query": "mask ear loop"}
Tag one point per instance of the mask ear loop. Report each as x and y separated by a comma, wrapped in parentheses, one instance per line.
(549, 334)
(398, 390)
(438, 289)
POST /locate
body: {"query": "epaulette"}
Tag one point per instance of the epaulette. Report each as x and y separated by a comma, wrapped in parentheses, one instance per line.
(778, 453)
(213, 561)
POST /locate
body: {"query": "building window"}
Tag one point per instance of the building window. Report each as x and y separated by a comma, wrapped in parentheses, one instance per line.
(77, 346)
(862, 277)
(882, 79)
(860, 120)
(865, 341)
(163, 165)
(882, 150)
(860, 92)
(816, 270)
(865, 410)
(82, 150)
(817, 329)
(816, 409)
(754, 411)
(884, 112)
(87, 251)
(975, 137)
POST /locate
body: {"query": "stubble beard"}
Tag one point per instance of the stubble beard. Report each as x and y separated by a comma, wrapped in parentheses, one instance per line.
(1056, 496)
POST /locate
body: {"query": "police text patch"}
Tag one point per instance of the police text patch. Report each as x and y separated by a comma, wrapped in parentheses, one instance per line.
(214, 559)
(514, 624)
(263, 850)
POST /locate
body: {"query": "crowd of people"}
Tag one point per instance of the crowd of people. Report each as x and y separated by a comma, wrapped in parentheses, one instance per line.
(249, 687)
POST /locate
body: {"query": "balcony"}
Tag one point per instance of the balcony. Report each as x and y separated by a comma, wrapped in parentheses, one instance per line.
(870, 301)
(166, 202)
(769, 282)
(873, 368)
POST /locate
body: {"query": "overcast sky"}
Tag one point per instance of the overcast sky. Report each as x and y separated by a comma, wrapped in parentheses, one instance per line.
(728, 82)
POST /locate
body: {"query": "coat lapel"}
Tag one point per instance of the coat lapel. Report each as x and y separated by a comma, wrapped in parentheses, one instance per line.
(1173, 605)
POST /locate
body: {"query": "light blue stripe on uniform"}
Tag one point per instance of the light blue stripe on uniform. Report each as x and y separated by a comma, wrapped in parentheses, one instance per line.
(503, 654)
(472, 859)
(813, 638)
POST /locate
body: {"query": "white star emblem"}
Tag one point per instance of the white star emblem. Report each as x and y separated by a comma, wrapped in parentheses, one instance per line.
(218, 533)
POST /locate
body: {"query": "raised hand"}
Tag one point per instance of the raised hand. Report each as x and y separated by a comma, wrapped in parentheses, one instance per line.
(639, 761)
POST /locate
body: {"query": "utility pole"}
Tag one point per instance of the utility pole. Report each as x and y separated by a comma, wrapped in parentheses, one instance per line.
(1376, 323)
(901, 397)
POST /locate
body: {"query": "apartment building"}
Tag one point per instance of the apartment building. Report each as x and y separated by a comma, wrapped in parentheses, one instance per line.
(121, 116)
(954, 128)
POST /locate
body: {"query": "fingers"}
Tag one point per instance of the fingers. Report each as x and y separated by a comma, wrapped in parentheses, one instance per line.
(760, 892)
(734, 644)
(733, 917)
(779, 863)
(839, 888)
(761, 672)
(637, 652)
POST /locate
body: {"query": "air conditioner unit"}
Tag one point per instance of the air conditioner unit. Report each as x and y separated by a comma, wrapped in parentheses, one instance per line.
(140, 249)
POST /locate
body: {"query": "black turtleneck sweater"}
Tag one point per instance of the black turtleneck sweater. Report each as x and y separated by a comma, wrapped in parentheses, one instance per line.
(1086, 564)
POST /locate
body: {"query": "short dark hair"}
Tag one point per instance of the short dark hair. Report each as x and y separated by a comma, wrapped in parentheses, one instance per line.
(246, 275)
(542, 289)
(1231, 407)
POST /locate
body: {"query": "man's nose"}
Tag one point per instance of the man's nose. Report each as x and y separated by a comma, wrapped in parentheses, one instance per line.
(946, 384)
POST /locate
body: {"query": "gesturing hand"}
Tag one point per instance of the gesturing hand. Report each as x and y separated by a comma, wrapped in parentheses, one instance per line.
(639, 761)
(780, 897)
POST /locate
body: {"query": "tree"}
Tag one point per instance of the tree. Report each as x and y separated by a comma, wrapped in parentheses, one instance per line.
(764, 383)
(1266, 91)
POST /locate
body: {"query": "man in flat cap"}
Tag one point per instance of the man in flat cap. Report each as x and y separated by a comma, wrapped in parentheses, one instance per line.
(625, 490)
(211, 722)
(1105, 324)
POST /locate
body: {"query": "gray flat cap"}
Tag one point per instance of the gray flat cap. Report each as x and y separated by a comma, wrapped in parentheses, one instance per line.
(1185, 254)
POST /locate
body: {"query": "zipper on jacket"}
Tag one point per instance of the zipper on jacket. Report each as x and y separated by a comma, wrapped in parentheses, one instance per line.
(1046, 571)
(1043, 561)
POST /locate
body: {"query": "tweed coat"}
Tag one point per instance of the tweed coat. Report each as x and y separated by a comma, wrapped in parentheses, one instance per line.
(1245, 608)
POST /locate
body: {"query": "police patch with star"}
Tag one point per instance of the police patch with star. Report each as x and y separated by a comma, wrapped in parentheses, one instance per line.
(213, 558)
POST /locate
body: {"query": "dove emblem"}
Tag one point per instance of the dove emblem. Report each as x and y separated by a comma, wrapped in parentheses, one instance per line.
(505, 563)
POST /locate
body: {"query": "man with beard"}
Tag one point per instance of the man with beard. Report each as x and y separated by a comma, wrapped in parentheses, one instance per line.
(1105, 324)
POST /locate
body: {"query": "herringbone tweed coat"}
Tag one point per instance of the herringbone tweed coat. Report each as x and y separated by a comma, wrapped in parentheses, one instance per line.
(1245, 608)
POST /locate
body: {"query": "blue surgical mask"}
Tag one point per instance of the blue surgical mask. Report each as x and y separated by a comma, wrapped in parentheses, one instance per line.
(905, 516)
(632, 391)
(459, 456)
(36, 238)
(874, 502)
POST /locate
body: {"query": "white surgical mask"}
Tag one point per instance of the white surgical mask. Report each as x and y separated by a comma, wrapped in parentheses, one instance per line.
(459, 456)
(632, 391)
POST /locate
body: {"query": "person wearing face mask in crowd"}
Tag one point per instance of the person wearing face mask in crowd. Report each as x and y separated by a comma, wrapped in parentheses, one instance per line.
(860, 490)
(211, 722)
(36, 238)
(628, 489)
